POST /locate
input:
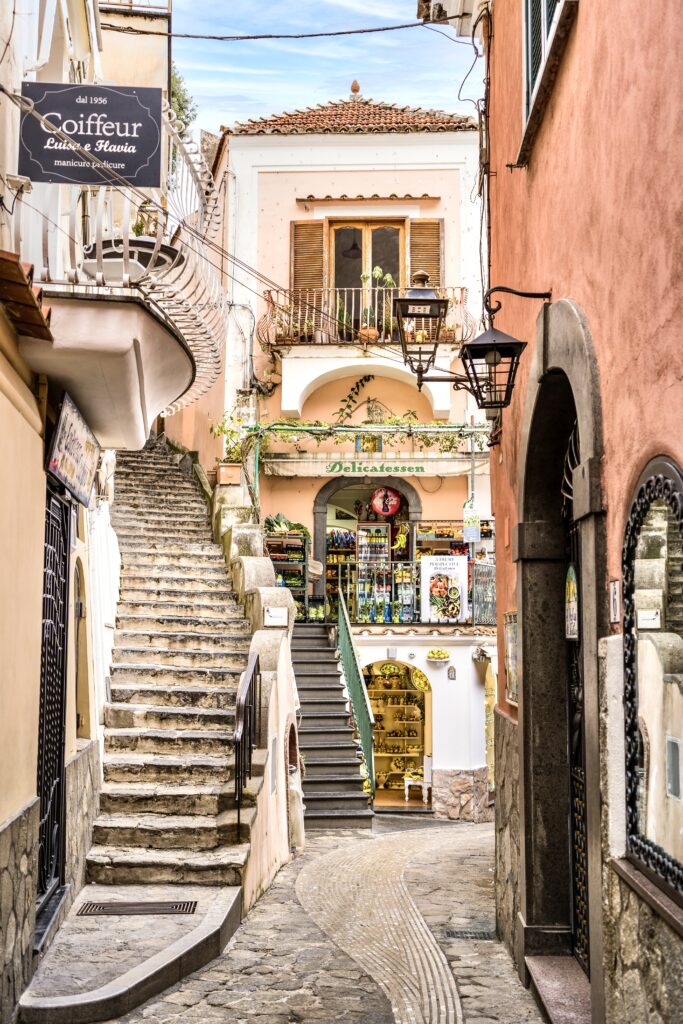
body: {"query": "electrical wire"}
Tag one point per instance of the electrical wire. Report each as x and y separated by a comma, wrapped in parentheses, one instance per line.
(129, 30)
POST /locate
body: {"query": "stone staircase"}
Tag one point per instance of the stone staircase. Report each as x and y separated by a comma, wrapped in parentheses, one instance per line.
(167, 810)
(333, 792)
(674, 610)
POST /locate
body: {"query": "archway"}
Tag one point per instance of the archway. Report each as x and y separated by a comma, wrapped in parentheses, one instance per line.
(560, 523)
(332, 487)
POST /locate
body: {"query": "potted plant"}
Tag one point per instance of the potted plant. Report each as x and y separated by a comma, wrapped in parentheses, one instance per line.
(229, 468)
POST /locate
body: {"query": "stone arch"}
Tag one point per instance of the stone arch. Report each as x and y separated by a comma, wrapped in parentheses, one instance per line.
(562, 389)
(328, 490)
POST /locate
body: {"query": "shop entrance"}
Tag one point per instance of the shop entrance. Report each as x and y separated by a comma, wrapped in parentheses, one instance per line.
(401, 701)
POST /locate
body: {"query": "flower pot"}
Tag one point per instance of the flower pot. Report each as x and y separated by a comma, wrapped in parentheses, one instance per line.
(229, 473)
(368, 334)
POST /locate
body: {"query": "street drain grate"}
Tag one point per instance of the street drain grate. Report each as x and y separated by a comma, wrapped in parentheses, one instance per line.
(471, 933)
(129, 909)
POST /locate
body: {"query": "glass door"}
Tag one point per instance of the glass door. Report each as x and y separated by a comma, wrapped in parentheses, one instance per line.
(367, 262)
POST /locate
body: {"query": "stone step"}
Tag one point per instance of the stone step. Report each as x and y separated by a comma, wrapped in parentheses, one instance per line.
(302, 649)
(188, 697)
(128, 507)
(212, 574)
(327, 750)
(311, 673)
(329, 731)
(314, 784)
(177, 585)
(181, 742)
(164, 675)
(209, 557)
(313, 706)
(151, 798)
(340, 763)
(233, 658)
(335, 801)
(162, 716)
(323, 657)
(209, 608)
(113, 865)
(160, 769)
(138, 535)
(233, 618)
(214, 640)
(323, 720)
(173, 831)
(320, 692)
(339, 819)
(132, 518)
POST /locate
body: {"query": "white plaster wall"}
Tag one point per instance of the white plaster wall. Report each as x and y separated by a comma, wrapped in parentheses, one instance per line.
(458, 737)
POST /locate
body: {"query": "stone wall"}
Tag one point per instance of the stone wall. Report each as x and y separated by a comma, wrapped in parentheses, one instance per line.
(642, 955)
(461, 795)
(18, 867)
(507, 828)
(82, 801)
(643, 958)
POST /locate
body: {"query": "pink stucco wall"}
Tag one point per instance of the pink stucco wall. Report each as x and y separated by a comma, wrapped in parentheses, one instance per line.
(597, 218)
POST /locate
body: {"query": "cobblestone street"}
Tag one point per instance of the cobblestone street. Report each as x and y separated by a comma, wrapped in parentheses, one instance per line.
(365, 928)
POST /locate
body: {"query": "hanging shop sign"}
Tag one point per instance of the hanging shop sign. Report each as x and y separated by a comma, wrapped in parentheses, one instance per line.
(119, 125)
(385, 501)
(74, 453)
(571, 605)
(471, 522)
(443, 588)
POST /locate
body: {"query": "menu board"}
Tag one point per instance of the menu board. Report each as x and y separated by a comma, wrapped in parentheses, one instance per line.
(444, 588)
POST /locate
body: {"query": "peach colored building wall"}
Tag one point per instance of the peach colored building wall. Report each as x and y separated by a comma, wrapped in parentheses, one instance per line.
(589, 219)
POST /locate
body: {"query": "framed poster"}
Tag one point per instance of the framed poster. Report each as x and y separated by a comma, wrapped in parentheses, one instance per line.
(74, 453)
(443, 589)
(511, 670)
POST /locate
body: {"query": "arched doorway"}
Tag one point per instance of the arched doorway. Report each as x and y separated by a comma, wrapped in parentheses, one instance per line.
(401, 700)
(559, 544)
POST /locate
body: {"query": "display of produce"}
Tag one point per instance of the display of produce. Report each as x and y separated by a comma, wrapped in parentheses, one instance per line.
(289, 554)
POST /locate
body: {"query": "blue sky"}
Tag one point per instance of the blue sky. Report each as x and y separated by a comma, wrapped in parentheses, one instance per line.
(235, 81)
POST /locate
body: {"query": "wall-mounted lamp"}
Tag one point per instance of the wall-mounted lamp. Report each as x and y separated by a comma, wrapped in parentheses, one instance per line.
(490, 361)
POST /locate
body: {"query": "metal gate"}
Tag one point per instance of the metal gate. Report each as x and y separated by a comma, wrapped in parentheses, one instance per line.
(53, 699)
(578, 832)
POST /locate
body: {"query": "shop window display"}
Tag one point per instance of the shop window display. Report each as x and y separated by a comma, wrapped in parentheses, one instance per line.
(400, 697)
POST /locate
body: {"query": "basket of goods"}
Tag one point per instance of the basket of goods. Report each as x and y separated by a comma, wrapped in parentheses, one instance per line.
(398, 764)
(438, 656)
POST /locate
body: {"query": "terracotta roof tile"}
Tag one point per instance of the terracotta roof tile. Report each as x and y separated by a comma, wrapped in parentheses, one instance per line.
(355, 116)
(21, 300)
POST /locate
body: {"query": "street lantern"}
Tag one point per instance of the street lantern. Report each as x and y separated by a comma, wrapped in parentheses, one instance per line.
(491, 362)
(420, 315)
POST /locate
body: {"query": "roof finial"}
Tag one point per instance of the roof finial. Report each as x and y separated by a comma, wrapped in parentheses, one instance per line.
(355, 90)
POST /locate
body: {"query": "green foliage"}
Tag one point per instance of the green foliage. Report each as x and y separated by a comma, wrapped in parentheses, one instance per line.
(181, 100)
(350, 401)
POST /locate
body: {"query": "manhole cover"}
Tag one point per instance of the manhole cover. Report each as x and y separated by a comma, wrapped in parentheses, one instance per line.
(129, 909)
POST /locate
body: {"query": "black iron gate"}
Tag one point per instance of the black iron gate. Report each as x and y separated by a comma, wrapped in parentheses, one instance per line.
(53, 699)
(578, 831)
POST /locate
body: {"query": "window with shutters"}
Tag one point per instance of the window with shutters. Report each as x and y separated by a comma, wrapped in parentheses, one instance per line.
(546, 27)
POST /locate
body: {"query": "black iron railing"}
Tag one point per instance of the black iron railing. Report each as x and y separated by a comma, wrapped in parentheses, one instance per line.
(247, 726)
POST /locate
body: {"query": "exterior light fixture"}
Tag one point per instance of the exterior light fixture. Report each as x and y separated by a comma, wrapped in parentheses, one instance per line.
(490, 361)
(354, 252)
(420, 315)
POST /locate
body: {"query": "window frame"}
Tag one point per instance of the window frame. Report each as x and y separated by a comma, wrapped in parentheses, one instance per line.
(553, 41)
(661, 480)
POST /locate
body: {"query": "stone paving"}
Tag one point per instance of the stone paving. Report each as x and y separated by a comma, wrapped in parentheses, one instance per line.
(358, 931)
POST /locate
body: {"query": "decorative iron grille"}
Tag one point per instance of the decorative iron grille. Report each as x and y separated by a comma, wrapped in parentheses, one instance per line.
(662, 481)
(53, 699)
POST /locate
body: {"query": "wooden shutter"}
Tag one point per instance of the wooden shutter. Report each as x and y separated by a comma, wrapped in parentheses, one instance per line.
(425, 249)
(307, 254)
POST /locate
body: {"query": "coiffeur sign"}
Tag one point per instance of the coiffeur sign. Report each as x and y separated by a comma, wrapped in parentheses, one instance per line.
(74, 454)
(119, 125)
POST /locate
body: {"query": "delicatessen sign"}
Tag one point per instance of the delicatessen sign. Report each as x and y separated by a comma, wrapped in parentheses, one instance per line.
(118, 126)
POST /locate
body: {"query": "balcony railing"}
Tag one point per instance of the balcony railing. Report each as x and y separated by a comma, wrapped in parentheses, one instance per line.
(356, 316)
(154, 243)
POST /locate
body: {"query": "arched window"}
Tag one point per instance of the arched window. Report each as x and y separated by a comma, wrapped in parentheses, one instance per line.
(653, 674)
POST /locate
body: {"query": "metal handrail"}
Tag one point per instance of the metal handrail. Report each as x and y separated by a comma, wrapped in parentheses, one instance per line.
(360, 702)
(247, 727)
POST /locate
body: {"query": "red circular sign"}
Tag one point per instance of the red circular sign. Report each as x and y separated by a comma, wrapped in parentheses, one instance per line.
(385, 501)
